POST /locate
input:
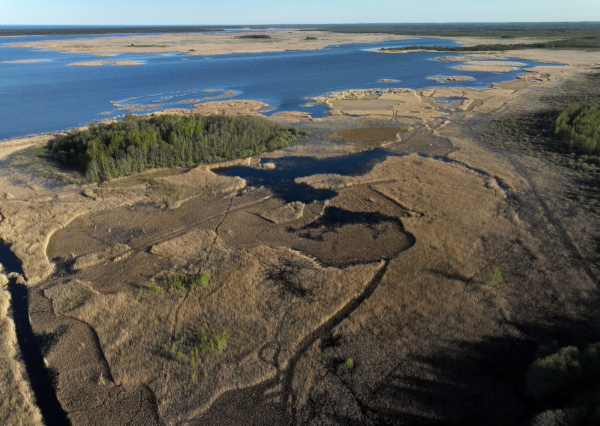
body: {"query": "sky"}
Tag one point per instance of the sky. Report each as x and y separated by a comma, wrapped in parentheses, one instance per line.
(254, 12)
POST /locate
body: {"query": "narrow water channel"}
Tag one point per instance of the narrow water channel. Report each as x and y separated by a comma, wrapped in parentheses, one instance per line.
(39, 375)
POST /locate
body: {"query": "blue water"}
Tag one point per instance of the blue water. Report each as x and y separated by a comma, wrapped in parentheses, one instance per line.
(51, 96)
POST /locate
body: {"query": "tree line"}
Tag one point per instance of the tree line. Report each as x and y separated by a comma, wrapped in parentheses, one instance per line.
(135, 144)
(580, 126)
(506, 30)
(592, 42)
(254, 36)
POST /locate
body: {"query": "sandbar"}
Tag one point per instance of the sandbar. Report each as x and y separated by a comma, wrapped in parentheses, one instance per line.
(101, 63)
(25, 61)
(450, 79)
(208, 44)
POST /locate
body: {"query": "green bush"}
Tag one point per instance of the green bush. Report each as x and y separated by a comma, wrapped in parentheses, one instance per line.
(494, 278)
(183, 281)
(551, 374)
(567, 379)
(581, 127)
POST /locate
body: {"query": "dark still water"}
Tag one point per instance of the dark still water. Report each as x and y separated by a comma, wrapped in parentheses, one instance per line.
(49, 96)
(281, 179)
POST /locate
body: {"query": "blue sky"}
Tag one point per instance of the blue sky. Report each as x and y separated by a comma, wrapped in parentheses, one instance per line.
(237, 12)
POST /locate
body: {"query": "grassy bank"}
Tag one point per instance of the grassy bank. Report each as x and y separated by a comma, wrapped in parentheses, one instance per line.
(136, 144)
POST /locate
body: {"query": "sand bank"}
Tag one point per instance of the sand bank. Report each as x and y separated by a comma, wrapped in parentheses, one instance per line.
(25, 61)
(101, 63)
(209, 44)
(233, 107)
(451, 79)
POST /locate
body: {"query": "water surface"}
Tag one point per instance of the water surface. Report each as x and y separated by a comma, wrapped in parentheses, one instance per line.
(51, 96)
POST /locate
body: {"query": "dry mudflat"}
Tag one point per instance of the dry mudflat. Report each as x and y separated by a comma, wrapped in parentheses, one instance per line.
(189, 297)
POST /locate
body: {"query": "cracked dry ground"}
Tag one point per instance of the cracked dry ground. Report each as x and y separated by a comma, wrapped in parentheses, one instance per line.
(265, 342)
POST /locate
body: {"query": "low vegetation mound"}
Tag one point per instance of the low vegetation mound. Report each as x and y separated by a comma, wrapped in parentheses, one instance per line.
(136, 144)
(580, 125)
(254, 36)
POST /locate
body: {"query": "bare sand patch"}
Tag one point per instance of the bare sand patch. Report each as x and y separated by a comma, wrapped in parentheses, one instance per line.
(451, 78)
(484, 68)
(25, 61)
(105, 55)
(101, 63)
(233, 107)
(420, 105)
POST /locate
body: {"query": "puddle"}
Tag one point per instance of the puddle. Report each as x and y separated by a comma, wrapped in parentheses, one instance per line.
(281, 179)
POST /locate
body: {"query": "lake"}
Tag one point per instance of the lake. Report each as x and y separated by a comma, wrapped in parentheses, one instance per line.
(51, 96)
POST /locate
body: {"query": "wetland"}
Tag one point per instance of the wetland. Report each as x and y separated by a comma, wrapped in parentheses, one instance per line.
(399, 258)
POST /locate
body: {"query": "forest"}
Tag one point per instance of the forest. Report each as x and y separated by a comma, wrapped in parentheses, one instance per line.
(590, 42)
(506, 30)
(580, 126)
(136, 144)
(254, 36)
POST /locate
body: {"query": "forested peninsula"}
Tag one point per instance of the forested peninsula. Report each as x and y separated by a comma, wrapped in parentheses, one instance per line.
(136, 144)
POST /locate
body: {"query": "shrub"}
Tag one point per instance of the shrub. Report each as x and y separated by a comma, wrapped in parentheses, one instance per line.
(349, 364)
(494, 278)
(549, 375)
(183, 281)
(550, 418)
(581, 127)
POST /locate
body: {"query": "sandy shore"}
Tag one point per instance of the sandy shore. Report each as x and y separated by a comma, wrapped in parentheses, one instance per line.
(209, 44)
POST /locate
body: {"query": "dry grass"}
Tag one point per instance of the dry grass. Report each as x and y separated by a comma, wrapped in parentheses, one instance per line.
(28, 226)
(114, 253)
(147, 334)
(17, 405)
(200, 181)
